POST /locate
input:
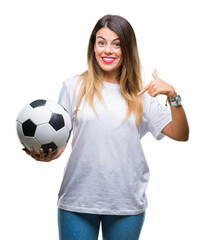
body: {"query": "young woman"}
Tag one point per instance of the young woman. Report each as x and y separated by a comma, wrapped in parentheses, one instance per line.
(107, 173)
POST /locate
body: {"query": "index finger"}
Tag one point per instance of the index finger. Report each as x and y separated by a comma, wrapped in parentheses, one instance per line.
(144, 90)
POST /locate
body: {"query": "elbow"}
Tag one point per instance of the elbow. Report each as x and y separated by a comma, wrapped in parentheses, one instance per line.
(187, 138)
(184, 137)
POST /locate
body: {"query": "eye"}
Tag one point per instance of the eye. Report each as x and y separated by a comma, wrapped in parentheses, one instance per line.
(100, 43)
(117, 44)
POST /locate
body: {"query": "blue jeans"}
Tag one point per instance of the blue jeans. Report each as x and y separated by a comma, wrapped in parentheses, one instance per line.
(84, 226)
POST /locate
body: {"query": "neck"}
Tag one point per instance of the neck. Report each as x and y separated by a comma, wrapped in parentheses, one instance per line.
(110, 77)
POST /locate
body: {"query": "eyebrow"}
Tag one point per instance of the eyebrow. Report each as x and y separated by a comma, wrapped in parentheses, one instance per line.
(105, 39)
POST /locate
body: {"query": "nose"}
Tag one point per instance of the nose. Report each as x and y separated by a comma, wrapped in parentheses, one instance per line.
(108, 49)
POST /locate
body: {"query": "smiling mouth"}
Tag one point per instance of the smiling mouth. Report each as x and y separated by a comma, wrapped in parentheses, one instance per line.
(108, 59)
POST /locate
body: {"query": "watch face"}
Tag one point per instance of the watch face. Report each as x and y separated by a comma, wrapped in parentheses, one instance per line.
(175, 101)
(178, 100)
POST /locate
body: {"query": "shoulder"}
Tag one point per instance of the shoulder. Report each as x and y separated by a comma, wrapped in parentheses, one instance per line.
(72, 81)
(151, 102)
(72, 84)
(68, 91)
(152, 108)
(146, 101)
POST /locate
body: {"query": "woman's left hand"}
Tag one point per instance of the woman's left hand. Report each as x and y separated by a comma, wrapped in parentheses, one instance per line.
(178, 128)
(158, 86)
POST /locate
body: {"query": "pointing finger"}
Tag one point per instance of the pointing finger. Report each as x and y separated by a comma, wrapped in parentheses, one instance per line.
(144, 90)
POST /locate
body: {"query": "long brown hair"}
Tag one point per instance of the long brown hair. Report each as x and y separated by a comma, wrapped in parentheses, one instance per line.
(129, 75)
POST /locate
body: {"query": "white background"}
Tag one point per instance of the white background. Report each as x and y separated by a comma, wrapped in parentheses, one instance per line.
(42, 43)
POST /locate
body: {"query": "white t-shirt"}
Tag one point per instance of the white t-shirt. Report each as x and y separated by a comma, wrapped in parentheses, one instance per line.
(107, 172)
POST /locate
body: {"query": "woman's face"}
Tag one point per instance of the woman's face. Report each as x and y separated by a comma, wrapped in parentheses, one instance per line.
(108, 51)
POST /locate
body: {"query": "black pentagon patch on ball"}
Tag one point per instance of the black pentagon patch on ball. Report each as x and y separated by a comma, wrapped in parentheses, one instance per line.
(29, 128)
(47, 146)
(38, 103)
(57, 121)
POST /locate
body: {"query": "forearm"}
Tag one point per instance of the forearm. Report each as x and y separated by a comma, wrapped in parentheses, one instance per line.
(179, 124)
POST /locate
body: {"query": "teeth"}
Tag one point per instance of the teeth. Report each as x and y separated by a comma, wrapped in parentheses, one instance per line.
(109, 59)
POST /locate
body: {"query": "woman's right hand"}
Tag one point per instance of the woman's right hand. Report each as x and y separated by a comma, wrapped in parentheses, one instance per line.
(45, 158)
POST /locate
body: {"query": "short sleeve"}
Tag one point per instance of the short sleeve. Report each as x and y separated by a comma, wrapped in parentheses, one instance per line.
(155, 117)
(64, 99)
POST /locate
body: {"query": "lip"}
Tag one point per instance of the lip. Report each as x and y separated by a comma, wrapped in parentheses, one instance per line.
(108, 59)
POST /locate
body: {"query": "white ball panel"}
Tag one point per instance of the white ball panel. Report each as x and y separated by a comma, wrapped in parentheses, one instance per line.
(40, 115)
(45, 133)
(67, 120)
(19, 130)
(61, 137)
(54, 107)
(30, 142)
(25, 113)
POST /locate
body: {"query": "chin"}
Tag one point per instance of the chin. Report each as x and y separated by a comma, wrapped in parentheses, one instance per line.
(109, 68)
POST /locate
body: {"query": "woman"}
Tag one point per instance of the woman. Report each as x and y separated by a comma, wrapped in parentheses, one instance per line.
(107, 173)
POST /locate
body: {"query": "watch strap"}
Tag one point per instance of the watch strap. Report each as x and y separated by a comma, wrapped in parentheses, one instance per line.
(174, 101)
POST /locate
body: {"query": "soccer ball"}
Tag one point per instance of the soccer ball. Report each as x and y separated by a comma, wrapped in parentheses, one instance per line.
(43, 124)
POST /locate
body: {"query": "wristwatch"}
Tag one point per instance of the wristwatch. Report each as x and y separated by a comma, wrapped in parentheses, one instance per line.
(175, 101)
